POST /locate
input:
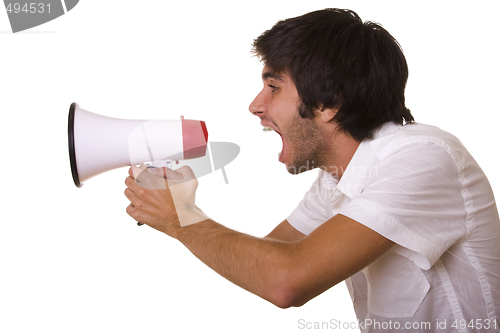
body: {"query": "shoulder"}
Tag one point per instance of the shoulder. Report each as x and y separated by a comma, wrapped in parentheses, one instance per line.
(418, 139)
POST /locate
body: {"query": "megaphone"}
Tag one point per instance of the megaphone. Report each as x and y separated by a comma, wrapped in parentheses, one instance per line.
(98, 144)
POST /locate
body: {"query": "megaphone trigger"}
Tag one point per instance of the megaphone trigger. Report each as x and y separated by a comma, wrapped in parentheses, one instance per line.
(159, 164)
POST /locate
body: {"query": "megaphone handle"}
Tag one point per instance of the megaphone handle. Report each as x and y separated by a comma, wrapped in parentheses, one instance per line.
(163, 164)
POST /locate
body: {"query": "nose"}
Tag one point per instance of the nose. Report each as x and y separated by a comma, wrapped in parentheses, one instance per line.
(258, 106)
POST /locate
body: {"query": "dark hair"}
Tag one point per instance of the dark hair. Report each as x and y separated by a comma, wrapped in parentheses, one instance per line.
(336, 60)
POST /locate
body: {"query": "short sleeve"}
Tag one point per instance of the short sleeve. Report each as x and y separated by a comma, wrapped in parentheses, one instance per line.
(313, 210)
(414, 199)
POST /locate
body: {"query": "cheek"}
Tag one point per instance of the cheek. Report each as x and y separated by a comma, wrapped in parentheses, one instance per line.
(282, 112)
(275, 113)
(304, 131)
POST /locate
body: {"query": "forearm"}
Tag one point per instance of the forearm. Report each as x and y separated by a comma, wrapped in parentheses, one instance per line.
(285, 268)
(258, 265)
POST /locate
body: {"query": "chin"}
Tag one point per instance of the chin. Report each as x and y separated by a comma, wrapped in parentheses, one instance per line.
(298, 168)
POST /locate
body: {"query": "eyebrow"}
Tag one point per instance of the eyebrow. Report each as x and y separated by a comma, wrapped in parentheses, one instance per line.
(270, 75)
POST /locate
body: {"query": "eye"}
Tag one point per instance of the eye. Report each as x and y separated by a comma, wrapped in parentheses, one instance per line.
(273, 88)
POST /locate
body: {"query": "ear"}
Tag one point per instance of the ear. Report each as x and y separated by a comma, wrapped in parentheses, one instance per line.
(326, 114)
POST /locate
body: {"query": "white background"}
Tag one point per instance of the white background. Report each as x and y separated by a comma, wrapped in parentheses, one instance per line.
(72, 260)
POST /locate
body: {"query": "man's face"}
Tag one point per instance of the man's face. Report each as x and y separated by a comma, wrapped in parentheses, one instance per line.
(304, 144)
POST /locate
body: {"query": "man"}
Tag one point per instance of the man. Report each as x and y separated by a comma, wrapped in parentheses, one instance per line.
(399, 210)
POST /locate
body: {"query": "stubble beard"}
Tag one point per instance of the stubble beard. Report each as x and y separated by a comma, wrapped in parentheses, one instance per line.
(308, 145)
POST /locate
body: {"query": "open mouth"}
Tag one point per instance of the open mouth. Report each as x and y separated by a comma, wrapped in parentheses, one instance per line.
(282, 154)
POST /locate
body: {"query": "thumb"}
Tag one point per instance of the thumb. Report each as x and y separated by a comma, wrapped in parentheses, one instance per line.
(158, 172)
(186, 173)
(171, 174)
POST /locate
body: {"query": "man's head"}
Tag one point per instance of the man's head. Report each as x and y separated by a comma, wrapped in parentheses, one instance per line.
(336, 61)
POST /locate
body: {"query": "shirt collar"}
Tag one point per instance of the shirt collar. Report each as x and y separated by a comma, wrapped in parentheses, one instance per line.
(363, 164)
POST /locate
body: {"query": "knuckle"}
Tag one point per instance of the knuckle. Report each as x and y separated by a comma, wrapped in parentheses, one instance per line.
(129, 181)
(140, 191)
(140, 205)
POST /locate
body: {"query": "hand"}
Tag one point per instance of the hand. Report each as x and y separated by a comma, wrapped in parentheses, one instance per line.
(164, 204)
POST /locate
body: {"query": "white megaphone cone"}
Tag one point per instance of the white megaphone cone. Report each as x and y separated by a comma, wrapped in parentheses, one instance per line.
(98, 143)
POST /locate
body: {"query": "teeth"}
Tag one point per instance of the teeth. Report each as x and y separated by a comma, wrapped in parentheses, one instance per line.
(267, 129)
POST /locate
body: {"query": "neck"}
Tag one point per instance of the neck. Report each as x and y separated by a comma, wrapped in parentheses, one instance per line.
(342, 150)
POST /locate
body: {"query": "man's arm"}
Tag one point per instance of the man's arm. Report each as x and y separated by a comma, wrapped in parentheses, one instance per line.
(286, 272)
(286, 233)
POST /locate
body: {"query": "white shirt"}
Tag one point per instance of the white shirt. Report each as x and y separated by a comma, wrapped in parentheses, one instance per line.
(419, 187)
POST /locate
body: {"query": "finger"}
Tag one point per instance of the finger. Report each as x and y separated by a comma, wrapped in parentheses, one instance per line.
(131, 210)
(158, 172)
(149, 181)
(186, 172)
(172, 174)
(131, 196)
(135, 171)
(140, 178)
(131, 184)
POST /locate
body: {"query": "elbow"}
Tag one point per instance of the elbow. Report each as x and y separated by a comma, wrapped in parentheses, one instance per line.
(288, 292)
(285, 299)
(289, 284)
